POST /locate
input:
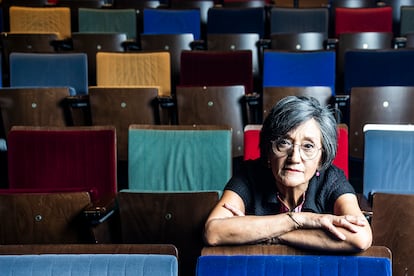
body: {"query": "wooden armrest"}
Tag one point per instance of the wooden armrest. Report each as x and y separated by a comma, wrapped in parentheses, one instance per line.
(100, 210)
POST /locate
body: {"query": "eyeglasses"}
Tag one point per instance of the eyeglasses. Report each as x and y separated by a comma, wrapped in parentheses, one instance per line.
(283, 147)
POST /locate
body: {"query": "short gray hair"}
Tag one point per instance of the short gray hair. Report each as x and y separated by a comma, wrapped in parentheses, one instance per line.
(292, 111)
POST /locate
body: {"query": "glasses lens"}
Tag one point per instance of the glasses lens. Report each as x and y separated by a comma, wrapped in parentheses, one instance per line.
(283, 147)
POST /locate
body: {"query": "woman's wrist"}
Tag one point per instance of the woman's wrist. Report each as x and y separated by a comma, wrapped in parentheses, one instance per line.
(296, 223)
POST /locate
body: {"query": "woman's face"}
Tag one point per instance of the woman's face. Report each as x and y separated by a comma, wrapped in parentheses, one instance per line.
(298, 155)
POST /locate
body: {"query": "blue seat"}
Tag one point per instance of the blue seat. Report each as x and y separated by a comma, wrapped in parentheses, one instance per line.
(172, 21)
(89, 264)
(305, 265)
(392, 67)
(388, 159)
(50, 69)
(304, 68)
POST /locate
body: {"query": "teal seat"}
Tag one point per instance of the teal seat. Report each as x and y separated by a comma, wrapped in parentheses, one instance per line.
(179, 158)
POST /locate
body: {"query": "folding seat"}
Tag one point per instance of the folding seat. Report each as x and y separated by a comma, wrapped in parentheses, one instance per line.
(376, 19)
(151, 68)
(65, 172)
(24, 42)
(171, 189)
(293, 20)
(237, 20)
(392, 224)
(108, 20)
(41, 19)
(214, 105)
(299, 68)
(92, 43)
(172, 21)
(377, 105)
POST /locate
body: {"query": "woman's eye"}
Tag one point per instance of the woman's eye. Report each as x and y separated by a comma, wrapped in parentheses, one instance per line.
(308, 146)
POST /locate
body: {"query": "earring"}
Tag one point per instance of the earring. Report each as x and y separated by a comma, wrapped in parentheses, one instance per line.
(318, 173)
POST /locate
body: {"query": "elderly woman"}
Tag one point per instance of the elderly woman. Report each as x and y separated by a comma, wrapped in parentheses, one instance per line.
(293, 194)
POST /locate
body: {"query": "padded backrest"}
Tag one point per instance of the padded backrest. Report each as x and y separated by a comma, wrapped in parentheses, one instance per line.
(167, 158)
(89, 264)
(40, 19)
(95, 20)
(377, 105)
(376, 19)
(292, 265)
(53, 158)
(172, 21)
(397, 13)
(304, 68)
(41, 106)
(121, 107)
(243, 20)
(391, 67)
(46, 69)
(217, 68)
(134, 69)
(388, 156)
(392, 225)
(293, 20)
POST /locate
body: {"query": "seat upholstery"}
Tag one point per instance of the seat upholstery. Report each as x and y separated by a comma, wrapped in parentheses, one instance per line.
(50, 69)
(292, 265)
(387, 155)
(108, 20)
(172, 21)
(243, 20)
(375, 19)
(293, 20)
(304, 68)
(40, 19)
(89, 264)
(135, 69)
(62, 159)
(166, 158)
(407, 20)
(217, 68)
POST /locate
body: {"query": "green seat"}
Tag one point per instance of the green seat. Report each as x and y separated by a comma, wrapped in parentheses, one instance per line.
(93, 20)
(179, 158)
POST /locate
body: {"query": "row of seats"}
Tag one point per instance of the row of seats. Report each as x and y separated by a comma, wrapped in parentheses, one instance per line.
(209, 17)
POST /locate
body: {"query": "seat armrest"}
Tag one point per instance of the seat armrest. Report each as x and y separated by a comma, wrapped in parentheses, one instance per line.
(131, 45)
(331, 43)
(100, 211)
(400, 42)
(62, 45)
(264, 43)
(252, 99)
(198, 45)
(166, 101)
